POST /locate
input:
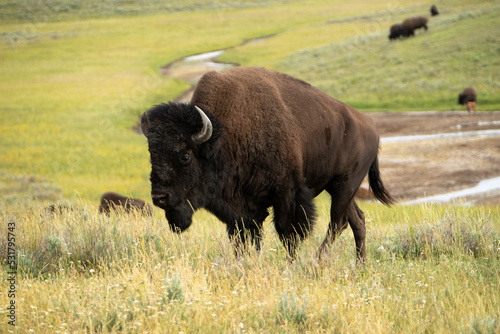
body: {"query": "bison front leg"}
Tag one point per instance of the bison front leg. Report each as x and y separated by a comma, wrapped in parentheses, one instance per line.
(294, 217)
(239, 233)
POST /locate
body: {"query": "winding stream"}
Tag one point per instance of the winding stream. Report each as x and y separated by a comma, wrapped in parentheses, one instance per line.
(479, 133)
(192, 68)
(482, 187)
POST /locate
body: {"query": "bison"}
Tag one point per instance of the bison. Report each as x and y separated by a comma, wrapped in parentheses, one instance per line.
(397, 30)
(251, 139)
(469, 98)
(413, 23)
(112, 201)
(434, 10)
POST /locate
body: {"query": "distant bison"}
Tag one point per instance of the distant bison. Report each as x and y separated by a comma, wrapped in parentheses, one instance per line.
(413, 23)
(397, 30)
(434, 10)
(469, 98)
(112, 201)
(58, 209)
(251, 139)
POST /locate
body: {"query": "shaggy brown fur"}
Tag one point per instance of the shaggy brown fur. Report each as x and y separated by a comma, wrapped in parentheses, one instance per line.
(112, 201)
(413, 23)
(277, 142)
(434, 10)
(397, 30)
(469, 98)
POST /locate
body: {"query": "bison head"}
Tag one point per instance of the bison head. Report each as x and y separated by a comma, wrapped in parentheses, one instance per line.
(177, 134)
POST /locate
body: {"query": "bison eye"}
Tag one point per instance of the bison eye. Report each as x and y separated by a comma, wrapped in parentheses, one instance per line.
(185, 158)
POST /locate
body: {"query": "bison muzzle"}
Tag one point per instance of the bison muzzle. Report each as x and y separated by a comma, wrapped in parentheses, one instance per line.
(251, 139)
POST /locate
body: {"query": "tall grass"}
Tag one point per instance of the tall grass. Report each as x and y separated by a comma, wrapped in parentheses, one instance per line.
(82, 272)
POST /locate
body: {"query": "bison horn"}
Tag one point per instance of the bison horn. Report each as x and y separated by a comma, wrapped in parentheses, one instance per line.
(206, 130)
(145, 123)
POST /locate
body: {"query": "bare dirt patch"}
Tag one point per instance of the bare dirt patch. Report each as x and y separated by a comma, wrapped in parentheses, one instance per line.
(425, 167)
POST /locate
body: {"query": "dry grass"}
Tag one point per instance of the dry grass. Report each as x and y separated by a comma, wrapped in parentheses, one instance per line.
(430, 268)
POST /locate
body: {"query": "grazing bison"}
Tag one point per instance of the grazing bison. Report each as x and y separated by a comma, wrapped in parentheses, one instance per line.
(469, 98)
(413, 23)
(112, 201)
(434, 10)
(251, 139)
(397, 30)
(58, 209)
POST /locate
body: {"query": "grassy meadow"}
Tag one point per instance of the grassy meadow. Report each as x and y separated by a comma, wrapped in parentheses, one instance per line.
(430, 269)
(74, 79)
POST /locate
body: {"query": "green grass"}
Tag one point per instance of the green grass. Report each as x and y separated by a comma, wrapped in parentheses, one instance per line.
(430, 268)
(64, 10)
(422, 73)
(74, 83)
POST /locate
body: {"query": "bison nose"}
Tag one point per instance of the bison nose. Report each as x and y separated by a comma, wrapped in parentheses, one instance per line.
(162, 200)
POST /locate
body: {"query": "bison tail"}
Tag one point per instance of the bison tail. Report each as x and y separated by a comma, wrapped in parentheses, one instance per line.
(377, 185)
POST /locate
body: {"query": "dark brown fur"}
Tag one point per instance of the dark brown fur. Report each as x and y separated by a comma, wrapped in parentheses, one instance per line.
(434, 10)
(397, 30)
(277, 141)
(468, 97)
(413, 23)
(112, 201)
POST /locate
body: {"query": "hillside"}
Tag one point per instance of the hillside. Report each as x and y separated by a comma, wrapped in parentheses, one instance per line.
(73, 83)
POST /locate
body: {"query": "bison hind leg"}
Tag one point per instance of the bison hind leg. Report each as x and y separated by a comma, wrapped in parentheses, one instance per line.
(294, 218)
(356, 219)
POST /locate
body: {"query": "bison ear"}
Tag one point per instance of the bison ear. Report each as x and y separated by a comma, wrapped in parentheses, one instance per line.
(145, 123)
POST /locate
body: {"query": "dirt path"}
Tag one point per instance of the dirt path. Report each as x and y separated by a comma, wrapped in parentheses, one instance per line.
(419, 168)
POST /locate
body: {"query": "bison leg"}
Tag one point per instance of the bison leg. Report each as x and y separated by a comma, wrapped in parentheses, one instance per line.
(335, 228)
(356, 219)
(344, 211)
(240, 232)
(294, 216)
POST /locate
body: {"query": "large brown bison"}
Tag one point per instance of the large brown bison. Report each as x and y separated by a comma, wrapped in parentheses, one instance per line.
(251, 139)
(434, 10)
(112, 201)
(469, 98)
(413, 23)
(397, 30)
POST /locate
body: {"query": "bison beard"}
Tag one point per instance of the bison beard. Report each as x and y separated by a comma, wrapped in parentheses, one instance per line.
(251, 139)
